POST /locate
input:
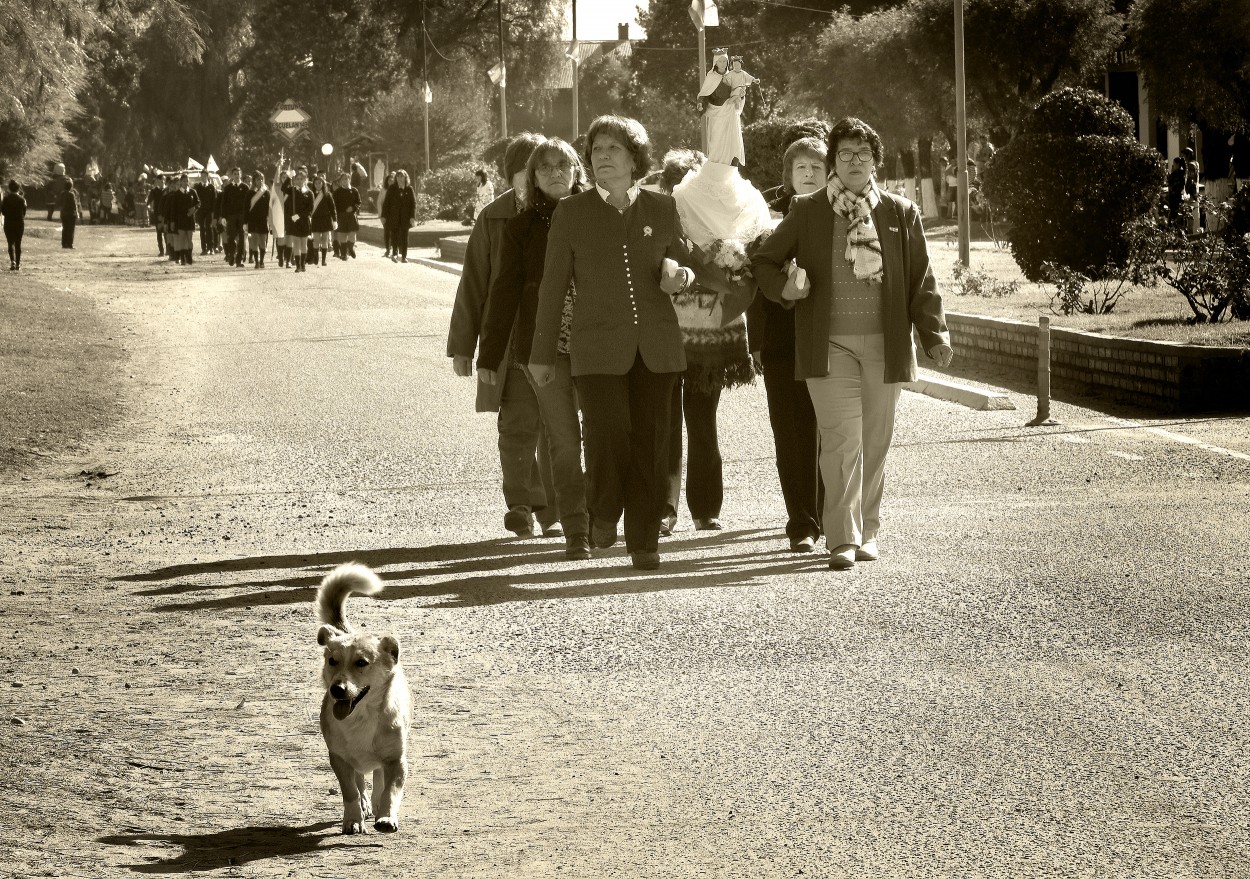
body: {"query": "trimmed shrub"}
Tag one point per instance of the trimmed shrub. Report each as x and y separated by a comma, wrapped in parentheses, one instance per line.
(766, 141)
(1071, 183)
(454, 188)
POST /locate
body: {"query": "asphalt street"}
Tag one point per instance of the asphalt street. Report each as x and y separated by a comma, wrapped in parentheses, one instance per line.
(1044, 675)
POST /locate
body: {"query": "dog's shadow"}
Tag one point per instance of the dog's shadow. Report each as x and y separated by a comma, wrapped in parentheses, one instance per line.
(232, 848)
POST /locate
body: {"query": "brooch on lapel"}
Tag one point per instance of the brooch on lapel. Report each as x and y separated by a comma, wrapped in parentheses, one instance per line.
(894, 228)
(646, 231)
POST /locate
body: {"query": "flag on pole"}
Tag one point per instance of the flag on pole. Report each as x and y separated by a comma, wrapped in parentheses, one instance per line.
(194, 165)
(498, 75)
(704, 13)
(573, 53)
(429, 98)
(211, 167)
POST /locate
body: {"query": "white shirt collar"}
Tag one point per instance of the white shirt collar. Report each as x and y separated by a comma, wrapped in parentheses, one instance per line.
(631, 194)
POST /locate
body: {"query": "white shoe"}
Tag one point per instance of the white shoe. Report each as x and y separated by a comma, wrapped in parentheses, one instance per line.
(842, 558)
(868, 552)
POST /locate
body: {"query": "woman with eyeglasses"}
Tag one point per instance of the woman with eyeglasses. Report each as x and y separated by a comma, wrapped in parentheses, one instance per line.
(552, 173)
(862, 281)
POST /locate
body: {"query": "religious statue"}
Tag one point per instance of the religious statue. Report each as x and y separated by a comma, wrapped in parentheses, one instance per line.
(721, 100)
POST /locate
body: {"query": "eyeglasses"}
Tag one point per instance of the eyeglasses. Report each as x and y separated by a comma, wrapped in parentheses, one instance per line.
(553, 167)
(864, 155)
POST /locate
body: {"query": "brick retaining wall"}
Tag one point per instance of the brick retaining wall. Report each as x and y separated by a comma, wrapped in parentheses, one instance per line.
(1166, 375)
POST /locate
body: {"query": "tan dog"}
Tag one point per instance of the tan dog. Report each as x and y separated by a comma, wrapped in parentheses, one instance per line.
(367, 708)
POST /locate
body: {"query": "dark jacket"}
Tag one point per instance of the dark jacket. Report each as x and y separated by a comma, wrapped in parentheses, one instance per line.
(207, 196)
(401, 206)
(481, 265)
(770, 327)
(324, 215)
(70, 212)
(13, 207)
(299, 205)
(234, 200)
(181, 210)
(156, 202)
(513, 298)
(614, 259)
(257, 216)
(347, 204)
(909, 294)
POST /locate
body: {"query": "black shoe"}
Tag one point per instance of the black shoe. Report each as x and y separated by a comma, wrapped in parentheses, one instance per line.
(520, 521)
(577, 548)
(709, 524)
(803, 544)
(351, 249)
(645, 561)
(603, 534)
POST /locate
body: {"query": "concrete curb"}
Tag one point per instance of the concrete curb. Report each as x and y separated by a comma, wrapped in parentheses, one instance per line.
(942, 388)
(928, 384)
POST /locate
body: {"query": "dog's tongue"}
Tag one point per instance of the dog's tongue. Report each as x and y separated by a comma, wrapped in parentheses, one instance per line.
(342, 708)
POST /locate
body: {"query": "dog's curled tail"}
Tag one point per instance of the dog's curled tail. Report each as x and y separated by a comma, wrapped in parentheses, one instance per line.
(340, 583)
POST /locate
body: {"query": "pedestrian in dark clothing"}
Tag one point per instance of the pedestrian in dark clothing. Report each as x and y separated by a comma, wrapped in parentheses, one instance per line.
(347, 205)
(387, 237)
(1176, 188)
(206, 213)
(235, 196)
(156, 208)
(171, 225)
(181, 211)
(13, 208)
(299, 203)
(258, 219)
(323, 218)
(70, 214)
(401, 212)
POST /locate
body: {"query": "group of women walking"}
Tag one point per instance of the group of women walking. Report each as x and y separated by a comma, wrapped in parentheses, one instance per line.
(568, 300)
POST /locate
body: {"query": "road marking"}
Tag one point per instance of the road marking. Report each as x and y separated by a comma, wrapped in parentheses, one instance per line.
(1180, 438)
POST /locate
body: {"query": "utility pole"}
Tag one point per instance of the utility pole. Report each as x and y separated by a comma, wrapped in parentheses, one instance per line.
(425, 86)
(961, 141)
(576, 73)
(503, 81)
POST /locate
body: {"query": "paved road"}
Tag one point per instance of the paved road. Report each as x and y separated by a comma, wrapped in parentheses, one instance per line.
(1044, 675)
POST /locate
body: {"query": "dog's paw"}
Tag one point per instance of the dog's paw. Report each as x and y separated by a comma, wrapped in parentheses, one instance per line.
(352, 827)
(386, 825)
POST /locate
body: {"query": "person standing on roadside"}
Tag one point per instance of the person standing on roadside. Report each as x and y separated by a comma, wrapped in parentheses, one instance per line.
(401, 210)
(71, 213)
(156, 204)
(383, 191)
(347, 205)
(235, 196)
(139, 195)
(13, 208)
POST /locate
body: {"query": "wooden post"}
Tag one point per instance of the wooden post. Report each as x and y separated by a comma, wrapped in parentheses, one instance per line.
(961, 140)
(1043, 374)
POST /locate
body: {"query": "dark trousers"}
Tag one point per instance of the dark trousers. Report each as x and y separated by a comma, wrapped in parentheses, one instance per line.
(13, 237)
(160, 237)
(67, 231)
(626, 424)
(705, 488)
(797, 442)
(236, 241)
(399, 240)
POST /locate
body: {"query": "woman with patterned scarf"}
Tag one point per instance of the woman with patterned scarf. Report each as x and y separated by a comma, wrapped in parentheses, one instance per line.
(859, 284)
(553, 172)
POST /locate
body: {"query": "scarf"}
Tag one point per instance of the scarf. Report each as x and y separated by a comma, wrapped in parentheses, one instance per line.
(863, 247)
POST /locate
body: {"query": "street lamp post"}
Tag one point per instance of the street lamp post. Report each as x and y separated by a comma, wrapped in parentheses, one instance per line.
(961, 140)
(503, 81)
(574, 58)
(425, 87)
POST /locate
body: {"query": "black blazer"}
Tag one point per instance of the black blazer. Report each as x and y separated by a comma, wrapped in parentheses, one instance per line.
(513, 297)
(299, 204)
(324, 215)
(401, 206)
(180, 210)
(257, 216)
(347, 204)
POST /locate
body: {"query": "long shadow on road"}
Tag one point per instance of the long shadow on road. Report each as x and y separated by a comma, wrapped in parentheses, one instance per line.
(494, 575)
(231, 848)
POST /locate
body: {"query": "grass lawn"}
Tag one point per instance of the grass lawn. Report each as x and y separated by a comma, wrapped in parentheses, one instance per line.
(1158, 313)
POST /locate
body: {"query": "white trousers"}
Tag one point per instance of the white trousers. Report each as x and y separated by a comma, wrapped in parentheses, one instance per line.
(855, 414)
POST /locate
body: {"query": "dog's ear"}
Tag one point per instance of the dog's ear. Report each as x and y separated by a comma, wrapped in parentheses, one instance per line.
(326, 634)
(389, 646)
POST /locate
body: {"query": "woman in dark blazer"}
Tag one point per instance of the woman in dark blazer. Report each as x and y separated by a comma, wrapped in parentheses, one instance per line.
(553, 172)
(13, 207)
(347, 205)
(771, 329)
(184, 205)
(323, 218)
(868, 284)
(299, 221)
(256, 221)
(621, 246)
(401, 210)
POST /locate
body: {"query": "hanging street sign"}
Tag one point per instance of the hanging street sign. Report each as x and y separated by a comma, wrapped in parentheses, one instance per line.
(289, 120)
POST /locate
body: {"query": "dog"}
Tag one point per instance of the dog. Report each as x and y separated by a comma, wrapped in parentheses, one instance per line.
(367, 709)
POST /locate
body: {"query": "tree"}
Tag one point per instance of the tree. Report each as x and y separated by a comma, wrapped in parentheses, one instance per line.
(1195, 59)
(460, 122)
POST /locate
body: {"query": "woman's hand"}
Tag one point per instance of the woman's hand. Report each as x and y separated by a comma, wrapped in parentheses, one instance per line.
(462, 365)
(673, 277)
(797, 286)
(943, 355)
(540, 372)
(487, 376)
